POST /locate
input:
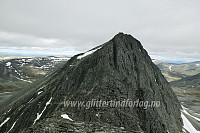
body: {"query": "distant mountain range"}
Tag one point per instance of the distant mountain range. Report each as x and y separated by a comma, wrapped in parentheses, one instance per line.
(18, 72)
(36, 63)
(176, 71)
(192, 82)
(28, 69)
(176, 60)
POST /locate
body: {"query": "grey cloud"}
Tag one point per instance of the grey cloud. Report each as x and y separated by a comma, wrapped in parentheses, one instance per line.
(167, 27)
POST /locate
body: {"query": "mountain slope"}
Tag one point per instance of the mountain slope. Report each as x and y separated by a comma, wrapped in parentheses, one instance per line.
(117, 70)
(188, 91)
(190, 82)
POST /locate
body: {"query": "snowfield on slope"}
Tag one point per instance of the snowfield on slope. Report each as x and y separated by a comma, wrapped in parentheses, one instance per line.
(88, 53)
(186, 123)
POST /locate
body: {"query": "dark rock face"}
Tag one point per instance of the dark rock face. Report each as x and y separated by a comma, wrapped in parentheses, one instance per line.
(120, 69)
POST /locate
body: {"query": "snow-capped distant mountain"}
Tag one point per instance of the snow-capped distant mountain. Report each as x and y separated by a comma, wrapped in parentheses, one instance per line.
(28, 68)
(17, 72)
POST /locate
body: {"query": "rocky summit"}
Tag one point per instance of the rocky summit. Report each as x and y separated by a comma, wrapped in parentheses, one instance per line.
(118, 70)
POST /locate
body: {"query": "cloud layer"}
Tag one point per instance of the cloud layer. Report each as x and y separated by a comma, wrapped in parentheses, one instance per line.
(166, 28)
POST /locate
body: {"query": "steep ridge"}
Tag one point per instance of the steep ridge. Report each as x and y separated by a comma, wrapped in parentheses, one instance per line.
(118, 70)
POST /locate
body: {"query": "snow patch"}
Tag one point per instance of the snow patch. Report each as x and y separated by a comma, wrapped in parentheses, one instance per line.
(6, 120)
(9, 110)
(12, 126)
(170, 68)
(23, 64)
(88, 53)
(8, 64)
(24, 80)
(30, 100)
(29, 60)
(189, 114)
(65, 116)
(187, 125)
(39, 115)
(196, 113)
(39, 92)
(17, 72)
(5, 93)
(184, 130)
(41, 87)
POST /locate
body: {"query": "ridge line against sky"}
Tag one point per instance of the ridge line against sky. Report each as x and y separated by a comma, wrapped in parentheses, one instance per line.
(43, 28)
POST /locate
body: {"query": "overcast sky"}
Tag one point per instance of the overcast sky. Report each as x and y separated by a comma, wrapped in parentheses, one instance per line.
(67, 27)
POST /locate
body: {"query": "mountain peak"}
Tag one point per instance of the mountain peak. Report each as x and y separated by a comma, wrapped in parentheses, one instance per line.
(126, 39)
(120, 34)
